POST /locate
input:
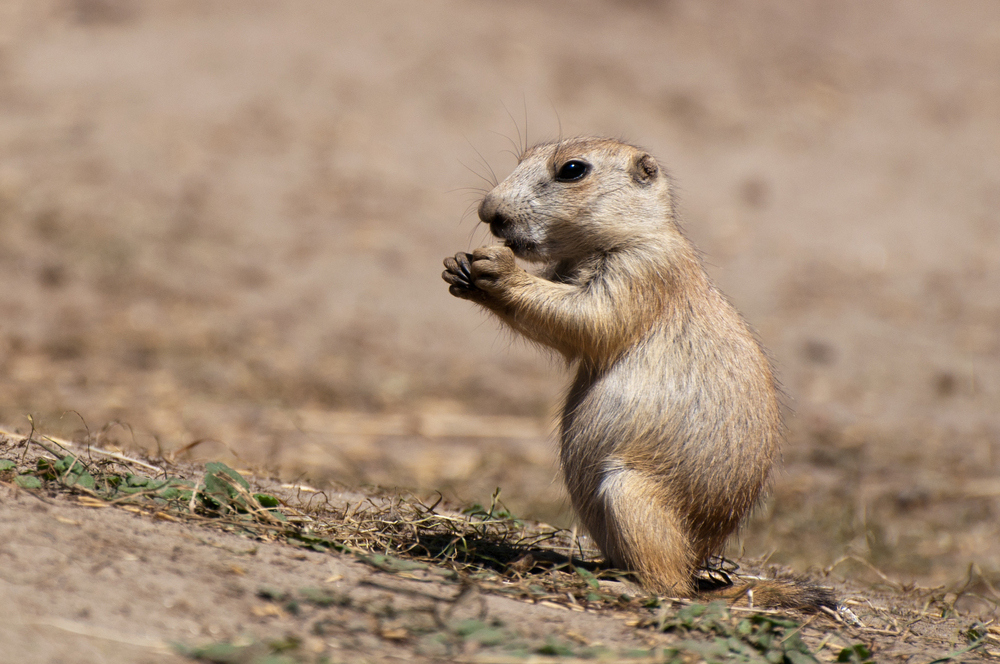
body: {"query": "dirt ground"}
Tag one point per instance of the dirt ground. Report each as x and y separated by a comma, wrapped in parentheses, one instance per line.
(107, 559)
(222, 227)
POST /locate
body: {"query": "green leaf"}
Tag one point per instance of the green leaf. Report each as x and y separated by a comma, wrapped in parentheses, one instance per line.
(589, 578)
(69, 463)
(220, 488)
(136, 480)
(7, 464)
(491, 636)
(798, 657)
(856, 654)
(464, 628)
(28, 482)
(173, 492)
(215, 468)
(86, 480)
(480, 632)
(775, 656)
(266, 500)
(210, 502)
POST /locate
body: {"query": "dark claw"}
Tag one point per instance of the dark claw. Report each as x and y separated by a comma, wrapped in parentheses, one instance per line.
(464, 265)
(458, 273)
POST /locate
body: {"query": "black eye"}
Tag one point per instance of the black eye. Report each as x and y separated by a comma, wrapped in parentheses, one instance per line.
(572, 170)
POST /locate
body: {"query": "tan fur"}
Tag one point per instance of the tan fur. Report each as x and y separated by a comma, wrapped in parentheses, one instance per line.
(672, 424)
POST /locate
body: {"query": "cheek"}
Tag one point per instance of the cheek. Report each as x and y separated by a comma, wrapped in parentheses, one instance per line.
(567, 237)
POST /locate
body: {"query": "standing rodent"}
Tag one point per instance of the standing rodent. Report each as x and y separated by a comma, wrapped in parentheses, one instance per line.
(672, 424)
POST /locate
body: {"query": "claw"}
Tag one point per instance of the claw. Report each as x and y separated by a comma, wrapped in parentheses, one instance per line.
(464, 265)
(458, 274)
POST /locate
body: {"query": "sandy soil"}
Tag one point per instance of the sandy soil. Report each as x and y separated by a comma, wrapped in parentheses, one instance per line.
(98, 573)
(106, 585)
(223, 224)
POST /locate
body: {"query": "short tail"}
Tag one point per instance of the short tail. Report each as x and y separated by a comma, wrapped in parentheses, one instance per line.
(776, 594)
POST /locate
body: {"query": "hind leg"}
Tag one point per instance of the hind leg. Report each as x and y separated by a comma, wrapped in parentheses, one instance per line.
(636, 528)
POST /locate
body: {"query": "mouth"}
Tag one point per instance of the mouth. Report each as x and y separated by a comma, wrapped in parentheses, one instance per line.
(521, 247)
(502, 229)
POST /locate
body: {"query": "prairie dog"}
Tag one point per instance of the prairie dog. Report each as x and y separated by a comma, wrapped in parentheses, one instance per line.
(672, 424)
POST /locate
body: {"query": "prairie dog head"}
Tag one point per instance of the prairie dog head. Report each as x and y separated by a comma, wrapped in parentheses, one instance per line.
(574, 198)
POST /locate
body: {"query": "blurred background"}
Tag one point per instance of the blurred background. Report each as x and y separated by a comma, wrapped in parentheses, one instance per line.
(222, 226)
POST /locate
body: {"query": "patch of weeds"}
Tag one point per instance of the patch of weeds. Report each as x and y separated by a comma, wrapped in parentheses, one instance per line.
(271, 594)
(399, 535)
(974, 633)
(485, 634)
(288, 643)
(487, 547)
(476, 634)
(280, 651)
(763, 639)
(555, 648)
(497, 511)
(317, 597)
(856, 654)
(402, 535)
(228, 492)
(222, 492)
(323, 598)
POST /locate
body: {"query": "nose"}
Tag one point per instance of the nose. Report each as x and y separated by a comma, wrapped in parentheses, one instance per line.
(489, 209)
(492, 211)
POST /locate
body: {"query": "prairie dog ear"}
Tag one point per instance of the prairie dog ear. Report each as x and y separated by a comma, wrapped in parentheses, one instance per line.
(645, 169)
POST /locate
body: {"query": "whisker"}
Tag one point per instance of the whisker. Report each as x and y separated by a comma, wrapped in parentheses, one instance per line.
(517, 146)
(479, 175)
(510, 140)
(479, 191)
(485, 163)
(471, 209)
(524, 100)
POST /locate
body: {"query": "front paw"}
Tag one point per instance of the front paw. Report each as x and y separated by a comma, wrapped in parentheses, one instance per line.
(458, 273)
(490, 267)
